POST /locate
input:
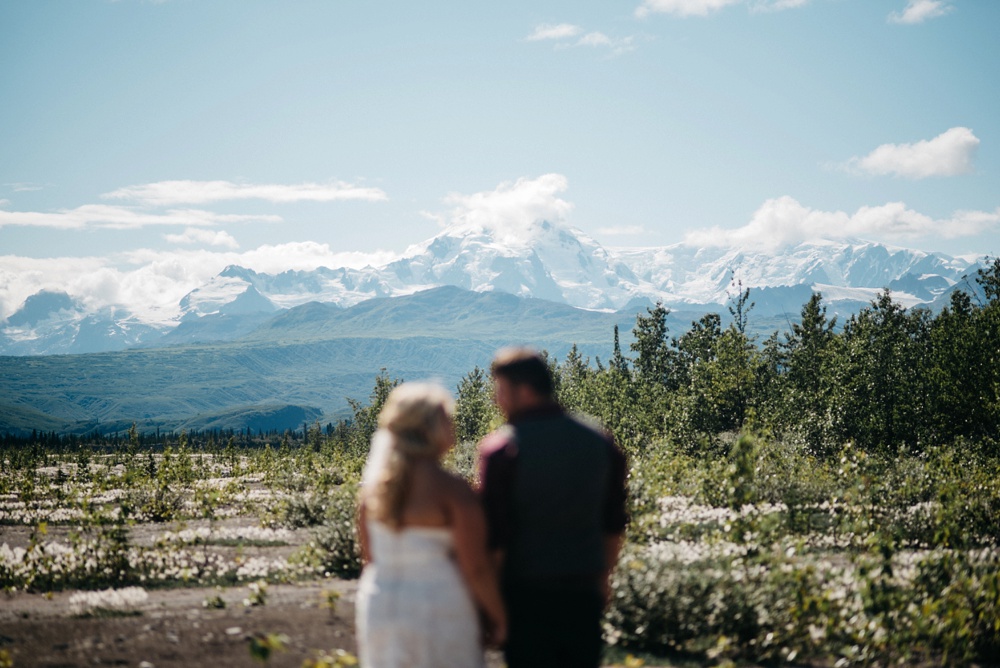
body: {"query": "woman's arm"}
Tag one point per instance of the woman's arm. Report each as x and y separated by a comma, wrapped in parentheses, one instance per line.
(474, 562)
(363, 533)
(612, 548)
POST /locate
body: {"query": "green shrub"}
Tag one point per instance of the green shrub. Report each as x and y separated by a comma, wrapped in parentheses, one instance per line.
(719, 603)
(335, 548)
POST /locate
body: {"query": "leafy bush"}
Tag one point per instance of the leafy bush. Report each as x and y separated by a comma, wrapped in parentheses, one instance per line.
(335, 548)
(305, 509)
(718, 602)
(158, 502)
(886, 608)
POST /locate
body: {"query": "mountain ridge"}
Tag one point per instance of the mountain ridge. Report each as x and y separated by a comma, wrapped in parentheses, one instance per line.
(309, 359)
(542, 260)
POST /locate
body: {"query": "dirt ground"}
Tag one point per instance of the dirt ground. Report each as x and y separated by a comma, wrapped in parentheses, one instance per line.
(173, 628)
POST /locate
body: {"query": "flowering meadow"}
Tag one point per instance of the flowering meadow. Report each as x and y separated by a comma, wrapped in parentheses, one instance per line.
(771, 556)
(764, 554)
(159, 519)
(828, 498)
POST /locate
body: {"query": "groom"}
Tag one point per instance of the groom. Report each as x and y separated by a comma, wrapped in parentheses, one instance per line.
(553, 488)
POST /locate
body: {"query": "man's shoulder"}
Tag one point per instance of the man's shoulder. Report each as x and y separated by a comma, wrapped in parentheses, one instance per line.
(591, 424)
(587, 422)
(499, 441)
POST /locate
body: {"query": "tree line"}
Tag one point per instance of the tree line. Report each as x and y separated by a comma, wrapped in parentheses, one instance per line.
(890, 379)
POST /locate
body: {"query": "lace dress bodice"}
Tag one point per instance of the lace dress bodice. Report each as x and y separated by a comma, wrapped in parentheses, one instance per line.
(397, 553)
(413, 606)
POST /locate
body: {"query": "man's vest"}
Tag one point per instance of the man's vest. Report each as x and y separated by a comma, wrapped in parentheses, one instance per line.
(557, 501)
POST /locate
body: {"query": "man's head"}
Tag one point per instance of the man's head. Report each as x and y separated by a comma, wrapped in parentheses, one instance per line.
(522, 380)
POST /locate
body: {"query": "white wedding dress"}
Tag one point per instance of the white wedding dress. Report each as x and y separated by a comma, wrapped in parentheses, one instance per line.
(413, 609)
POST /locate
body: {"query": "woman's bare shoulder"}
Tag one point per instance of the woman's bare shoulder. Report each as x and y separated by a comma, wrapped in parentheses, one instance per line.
(454, 487)
(442, 484)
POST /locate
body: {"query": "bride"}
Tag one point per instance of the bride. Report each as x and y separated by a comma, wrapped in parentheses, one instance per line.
(427, 580)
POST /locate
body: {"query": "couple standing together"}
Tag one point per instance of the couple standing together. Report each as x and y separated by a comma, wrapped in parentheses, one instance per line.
(522, 563)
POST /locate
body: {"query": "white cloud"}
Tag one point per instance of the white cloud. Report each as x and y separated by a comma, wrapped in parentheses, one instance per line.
(23, 187)
(683, 7)
(549, 31)
(121, 218)
(174, 193)
(776, 5)
(784, 221)
(706, 7)
(968, 223)
(598, 39)
(511, 209)
(564, 32)
(918, 11)
(166, 193)
(595, 39)
(196, 235)
(948, 154)
(152, 283)
(21, 277)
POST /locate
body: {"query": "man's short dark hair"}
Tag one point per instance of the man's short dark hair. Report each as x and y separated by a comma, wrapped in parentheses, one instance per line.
(524, 366)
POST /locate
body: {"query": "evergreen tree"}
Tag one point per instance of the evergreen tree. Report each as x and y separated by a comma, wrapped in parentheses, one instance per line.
(475, 412)
(656, 361)
(805, 386)
(365, 416)
(698, 344)
(957, 374)
(618, 361)
(576, 382)
(880, 383)
(739, 307)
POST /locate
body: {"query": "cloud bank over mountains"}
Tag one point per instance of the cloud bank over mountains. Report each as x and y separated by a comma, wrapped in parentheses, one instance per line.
(152, 282)
(784, 221)
(510, 209)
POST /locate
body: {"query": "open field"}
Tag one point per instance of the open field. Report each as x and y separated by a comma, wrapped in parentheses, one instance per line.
(203, 572)
(182, 557)
(195, 585)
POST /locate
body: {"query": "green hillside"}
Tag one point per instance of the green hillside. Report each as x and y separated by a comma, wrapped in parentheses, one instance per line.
(448, 313)
(168, 387)
(302, 363)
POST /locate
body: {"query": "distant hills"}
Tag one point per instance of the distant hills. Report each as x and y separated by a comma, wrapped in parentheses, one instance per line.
(300, 365)
(273, 350)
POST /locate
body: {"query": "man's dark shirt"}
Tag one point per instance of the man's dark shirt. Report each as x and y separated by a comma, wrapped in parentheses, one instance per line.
(553, 487)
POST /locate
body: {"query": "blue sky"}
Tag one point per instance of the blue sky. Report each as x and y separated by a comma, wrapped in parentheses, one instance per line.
(146, 145)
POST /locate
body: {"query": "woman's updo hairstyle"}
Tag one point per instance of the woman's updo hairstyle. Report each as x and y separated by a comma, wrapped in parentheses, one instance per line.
(412, 423)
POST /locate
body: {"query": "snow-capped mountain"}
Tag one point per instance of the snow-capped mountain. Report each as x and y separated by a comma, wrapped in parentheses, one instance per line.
(55, 323)
(853, 271)
(232, 292)
(543, 260)
(559, 264)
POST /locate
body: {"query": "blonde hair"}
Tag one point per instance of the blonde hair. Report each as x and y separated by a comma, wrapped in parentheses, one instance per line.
(412, 421)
